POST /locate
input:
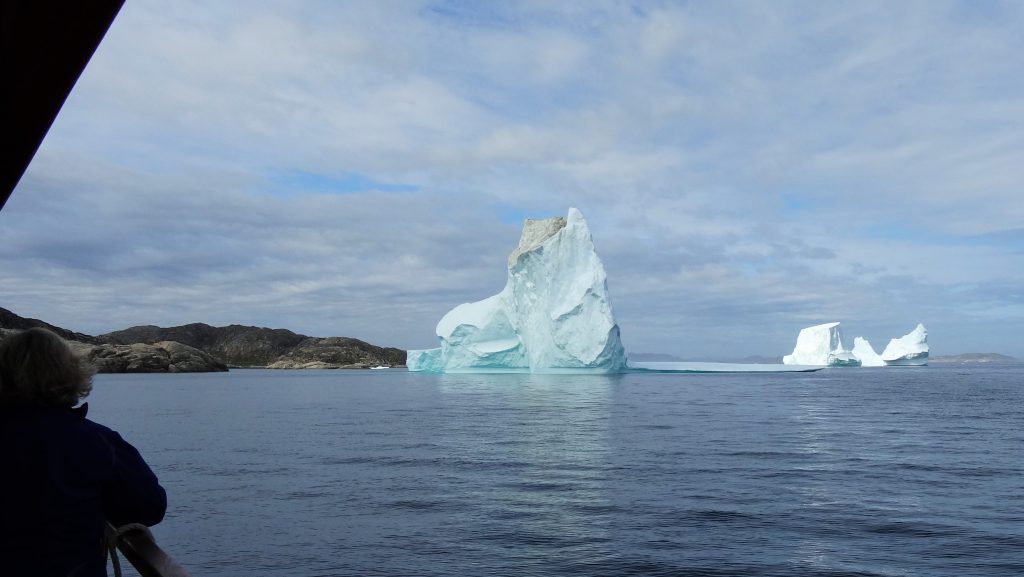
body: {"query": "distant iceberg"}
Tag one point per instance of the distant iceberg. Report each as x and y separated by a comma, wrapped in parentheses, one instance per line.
(554, 313)
(909, 350)
(821, 345)
(863, 350)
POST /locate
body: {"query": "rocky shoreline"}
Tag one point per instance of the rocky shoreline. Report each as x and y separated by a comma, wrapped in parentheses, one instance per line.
(198, 347)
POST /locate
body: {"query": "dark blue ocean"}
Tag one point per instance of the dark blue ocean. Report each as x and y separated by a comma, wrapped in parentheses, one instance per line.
(855, 472)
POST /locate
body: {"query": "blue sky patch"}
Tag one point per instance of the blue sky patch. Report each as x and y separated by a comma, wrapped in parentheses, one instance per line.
(511, 215)
(799, 204)
(288, 182)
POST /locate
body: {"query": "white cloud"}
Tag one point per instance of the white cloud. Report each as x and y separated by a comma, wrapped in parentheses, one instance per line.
(745, 168)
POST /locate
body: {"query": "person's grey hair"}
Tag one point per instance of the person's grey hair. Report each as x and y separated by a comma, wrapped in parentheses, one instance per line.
(38, 368)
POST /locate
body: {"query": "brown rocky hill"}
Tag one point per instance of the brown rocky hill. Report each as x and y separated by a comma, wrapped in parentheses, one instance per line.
(159, 357)
(244, 346)
(9, 320)
(236, 345)
(201, 348)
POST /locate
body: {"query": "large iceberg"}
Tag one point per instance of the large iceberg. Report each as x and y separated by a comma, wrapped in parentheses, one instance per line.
(821, 345)
(909, 350)
(863, 350)
(554, 313)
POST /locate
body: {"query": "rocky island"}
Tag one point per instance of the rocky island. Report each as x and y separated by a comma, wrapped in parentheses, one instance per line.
(203, 348)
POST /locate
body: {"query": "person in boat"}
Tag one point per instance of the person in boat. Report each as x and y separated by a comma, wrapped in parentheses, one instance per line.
(62, 474)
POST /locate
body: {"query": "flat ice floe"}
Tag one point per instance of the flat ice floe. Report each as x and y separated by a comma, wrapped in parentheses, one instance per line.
(699, 367)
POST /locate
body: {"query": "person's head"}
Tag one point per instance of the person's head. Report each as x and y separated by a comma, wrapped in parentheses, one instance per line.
(38, 368)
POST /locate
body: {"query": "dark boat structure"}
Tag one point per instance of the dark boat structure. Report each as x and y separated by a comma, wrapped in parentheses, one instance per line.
(45, 46)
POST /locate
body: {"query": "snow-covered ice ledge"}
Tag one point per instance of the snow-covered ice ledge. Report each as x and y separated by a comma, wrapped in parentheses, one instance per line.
(698, 367)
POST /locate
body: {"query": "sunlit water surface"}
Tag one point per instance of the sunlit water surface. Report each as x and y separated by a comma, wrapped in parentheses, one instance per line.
(855, 472)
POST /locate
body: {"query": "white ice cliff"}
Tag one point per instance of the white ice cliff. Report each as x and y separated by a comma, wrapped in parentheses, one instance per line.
(821, 345)
(554, 312)
(909, 350)
(863, 350)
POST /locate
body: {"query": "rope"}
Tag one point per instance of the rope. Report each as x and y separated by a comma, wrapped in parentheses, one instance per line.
(113, 537)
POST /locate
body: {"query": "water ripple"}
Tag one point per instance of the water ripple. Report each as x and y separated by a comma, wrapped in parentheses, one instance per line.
(913, 473)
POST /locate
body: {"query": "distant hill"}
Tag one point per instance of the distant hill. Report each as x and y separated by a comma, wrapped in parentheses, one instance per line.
(654, 357)
(237, 345)
(158, 357)
(200, 347)
(244, 346)
(761, 359)
(9, 320)
(974, 358)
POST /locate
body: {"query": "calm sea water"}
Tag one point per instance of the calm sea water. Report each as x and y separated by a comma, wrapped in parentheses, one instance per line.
(856, 472)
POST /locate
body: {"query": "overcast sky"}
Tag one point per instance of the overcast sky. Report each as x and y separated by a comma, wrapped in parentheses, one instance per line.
(359, 168)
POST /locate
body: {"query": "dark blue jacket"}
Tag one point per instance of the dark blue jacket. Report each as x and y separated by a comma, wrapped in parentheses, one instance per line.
(61, 476)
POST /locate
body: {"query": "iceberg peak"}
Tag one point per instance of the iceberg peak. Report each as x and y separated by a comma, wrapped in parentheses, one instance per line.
(821, 345)
(909, 350)
(535, 232)
(863, 350)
